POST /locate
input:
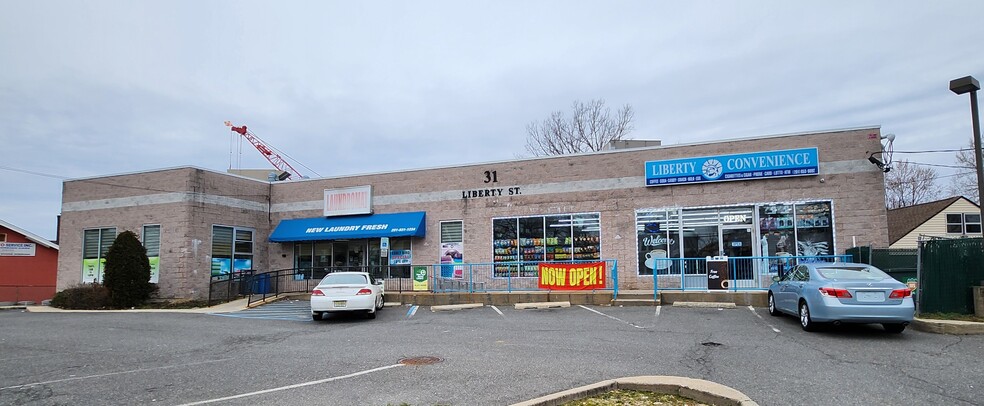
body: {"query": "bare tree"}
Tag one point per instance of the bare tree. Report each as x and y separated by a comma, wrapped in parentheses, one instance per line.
(908, 184)
(591, 127)
(965, 183)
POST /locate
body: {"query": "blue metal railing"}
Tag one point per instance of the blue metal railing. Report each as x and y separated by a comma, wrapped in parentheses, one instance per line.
(745, 273)
(503, 276)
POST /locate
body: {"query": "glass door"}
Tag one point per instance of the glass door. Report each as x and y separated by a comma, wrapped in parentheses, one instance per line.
(737, 242)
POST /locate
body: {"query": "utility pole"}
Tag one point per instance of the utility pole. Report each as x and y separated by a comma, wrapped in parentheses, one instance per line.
(964, 85)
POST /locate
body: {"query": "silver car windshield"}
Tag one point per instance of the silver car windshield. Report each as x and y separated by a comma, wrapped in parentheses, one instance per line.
(852, 273)
(344, 279)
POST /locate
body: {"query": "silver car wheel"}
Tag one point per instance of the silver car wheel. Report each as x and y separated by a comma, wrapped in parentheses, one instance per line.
(805, 320)
(772, 305)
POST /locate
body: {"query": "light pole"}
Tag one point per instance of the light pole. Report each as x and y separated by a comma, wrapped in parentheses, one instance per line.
(961, 86)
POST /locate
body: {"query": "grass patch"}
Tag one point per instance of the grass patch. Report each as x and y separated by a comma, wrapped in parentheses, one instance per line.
(951, 316)
(620, 397)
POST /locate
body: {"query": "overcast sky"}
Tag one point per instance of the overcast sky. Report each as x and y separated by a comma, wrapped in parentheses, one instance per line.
(90, 88)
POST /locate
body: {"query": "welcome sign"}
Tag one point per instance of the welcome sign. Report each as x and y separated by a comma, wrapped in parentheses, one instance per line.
(721, 168)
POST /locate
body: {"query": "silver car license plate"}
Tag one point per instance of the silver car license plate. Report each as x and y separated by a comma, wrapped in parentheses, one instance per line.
(871, 296)
(339, 303)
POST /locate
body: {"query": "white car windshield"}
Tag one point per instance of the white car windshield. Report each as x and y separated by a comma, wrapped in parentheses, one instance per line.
(852, 273)
(344, 279)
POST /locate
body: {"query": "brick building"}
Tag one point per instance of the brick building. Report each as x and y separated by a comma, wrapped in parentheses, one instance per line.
(650, 209)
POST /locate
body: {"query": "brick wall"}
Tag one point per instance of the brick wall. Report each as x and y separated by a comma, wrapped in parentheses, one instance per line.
(611, 183)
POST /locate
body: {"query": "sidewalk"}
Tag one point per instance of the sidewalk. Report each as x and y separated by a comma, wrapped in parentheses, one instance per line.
(233, 306)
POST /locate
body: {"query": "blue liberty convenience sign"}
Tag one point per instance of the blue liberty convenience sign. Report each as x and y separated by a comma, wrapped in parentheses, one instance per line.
(721, 168)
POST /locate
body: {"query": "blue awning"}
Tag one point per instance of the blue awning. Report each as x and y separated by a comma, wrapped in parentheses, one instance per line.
(409, 224)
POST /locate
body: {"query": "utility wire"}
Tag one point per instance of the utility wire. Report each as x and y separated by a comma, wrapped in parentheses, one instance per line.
(937, 165)
(149, 189)
(934, 151)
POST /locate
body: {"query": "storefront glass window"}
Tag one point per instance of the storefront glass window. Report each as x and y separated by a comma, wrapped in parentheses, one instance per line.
(783, 230)
(520, 243)
(814, 230)
(658, 235)
(401, 256)
(559, 239)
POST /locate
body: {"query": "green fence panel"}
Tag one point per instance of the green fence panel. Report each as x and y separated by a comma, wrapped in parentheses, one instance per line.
(897, 262)
(950, 268)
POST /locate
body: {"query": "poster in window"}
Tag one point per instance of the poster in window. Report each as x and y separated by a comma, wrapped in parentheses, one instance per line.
(400, 257)
(242, 264)
(452, 255)
(653, 250)
(221, 266)
(155, 267)
(91, 270)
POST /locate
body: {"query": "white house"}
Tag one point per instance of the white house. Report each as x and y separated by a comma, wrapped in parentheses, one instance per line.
(953, 217)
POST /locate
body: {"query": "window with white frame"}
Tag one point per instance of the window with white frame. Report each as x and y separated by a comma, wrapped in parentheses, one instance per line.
(152, 243)
(232, 249)
(452, 248)
(963, 223)
(95, 245)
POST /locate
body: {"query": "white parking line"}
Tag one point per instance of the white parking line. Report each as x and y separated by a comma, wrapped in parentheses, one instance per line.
(497, 311)
(610, 317)
(752, 309)
(299, 385)
(657, 310)
(113, 373)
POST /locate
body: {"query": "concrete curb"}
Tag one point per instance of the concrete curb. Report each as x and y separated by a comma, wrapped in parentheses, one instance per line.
(445, 308)
(542, 305)
(232, 306)
(696, 389)
(717, 305)
(954, 327)
(13, 307)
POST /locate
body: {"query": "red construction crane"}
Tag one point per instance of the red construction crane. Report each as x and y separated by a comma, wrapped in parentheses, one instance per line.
(275, 159)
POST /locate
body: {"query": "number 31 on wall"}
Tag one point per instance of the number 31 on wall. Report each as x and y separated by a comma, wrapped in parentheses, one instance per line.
(490, 177)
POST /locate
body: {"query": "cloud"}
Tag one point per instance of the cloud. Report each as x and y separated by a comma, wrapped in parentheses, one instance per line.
(101, 88)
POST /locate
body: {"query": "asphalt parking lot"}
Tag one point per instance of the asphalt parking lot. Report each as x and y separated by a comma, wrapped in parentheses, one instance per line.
(487, 356)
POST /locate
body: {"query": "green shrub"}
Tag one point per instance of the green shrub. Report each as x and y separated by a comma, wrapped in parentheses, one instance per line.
(87, 296)
(127, 274)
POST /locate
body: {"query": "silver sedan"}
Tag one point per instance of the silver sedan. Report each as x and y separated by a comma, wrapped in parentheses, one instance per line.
(842, 293)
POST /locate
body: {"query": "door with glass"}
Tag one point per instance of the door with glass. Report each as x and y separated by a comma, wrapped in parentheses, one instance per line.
(736, 243)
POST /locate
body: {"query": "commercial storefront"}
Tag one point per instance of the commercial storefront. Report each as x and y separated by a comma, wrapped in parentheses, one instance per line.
(651, 215)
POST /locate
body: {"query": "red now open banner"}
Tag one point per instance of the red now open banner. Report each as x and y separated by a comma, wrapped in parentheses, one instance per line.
(572, 276)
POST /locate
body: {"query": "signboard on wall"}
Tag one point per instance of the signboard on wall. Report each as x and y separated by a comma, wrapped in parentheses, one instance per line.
(722, 168)
(347, 201)
(17, 249)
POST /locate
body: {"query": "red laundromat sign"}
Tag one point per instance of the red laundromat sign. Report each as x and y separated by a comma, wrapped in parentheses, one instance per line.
(585, 276)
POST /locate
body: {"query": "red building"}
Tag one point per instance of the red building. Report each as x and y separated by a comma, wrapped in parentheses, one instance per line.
(28, 265)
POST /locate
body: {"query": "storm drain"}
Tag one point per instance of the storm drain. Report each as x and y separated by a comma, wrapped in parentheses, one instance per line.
(420, 361)
(710, 344)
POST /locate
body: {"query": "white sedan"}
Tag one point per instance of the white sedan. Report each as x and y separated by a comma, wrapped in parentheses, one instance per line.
(347, 292)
